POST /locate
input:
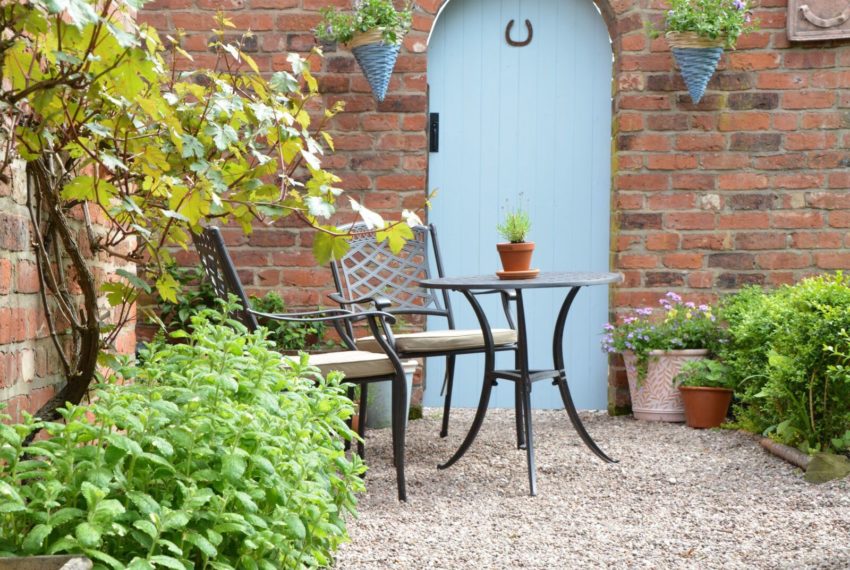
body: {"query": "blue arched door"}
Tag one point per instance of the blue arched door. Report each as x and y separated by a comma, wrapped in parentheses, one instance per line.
(531, 125)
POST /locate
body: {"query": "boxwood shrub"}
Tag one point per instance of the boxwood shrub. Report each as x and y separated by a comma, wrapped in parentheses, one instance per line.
(789, 354)
(208, 454)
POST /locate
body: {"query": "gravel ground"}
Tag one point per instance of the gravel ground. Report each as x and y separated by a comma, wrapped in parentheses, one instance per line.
(678, 498)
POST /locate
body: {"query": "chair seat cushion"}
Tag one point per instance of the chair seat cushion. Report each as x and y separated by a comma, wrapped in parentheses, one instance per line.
(353, 363)
(441, 341)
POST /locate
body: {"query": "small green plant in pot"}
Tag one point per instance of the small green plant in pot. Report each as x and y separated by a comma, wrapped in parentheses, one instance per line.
(698, 30)
(373, 33)
(706, 387)
(515, 252)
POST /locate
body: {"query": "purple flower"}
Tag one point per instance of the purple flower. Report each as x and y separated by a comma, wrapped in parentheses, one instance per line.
(644, 312)
(748, 18)
(690, 305)
(673, 297)
(703, 308)
(608, 327)
(739, 4)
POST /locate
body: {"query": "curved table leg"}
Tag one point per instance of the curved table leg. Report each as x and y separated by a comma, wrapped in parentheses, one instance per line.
(486, 389)
(561, 380)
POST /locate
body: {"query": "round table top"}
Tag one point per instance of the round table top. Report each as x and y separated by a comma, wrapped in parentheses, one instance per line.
(543, 280)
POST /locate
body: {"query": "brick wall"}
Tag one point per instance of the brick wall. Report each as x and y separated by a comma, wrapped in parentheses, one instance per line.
(27, 369)
(30, 370)
(749, 186)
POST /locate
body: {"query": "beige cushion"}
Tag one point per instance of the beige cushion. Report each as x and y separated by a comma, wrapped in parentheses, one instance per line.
(439, 341)
(353, 363)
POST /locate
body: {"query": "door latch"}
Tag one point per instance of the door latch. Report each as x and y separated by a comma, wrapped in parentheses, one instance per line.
(434, 132)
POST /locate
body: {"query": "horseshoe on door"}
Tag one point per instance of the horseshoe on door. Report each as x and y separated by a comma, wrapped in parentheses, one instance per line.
(524, 42)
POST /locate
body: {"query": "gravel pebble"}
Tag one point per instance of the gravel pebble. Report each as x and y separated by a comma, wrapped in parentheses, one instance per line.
(678, 498)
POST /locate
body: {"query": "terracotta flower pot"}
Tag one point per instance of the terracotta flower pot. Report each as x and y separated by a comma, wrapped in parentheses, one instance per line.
(516, 256)
(655, 398)
(705, 407)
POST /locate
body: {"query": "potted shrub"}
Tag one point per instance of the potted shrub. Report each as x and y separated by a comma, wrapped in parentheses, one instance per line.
(373, 33)
(698, 30)
(515, 252)
(706, 389)
(655, 348)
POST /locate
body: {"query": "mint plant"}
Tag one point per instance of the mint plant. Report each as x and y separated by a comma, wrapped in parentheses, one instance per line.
(208, 454)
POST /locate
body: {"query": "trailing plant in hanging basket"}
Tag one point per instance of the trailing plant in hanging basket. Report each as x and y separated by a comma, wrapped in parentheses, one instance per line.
(373, 33)
(698, 30)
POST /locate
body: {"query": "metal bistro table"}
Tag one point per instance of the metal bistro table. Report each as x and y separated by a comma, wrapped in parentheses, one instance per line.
(522, 375)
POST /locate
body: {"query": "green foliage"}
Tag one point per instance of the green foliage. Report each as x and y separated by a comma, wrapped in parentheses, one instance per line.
(715, 19)
(209, 454)
(338, 26)
(196, 293)
(108, 125)
(289, 335)
(684, 325)
(516, 226)
(704, 373)
(789, 356)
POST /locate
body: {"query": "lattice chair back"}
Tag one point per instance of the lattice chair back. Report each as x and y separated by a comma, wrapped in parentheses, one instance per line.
(222, 274)
(371, 269)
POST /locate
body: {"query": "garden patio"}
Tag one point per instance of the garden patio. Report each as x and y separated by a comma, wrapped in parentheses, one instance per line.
(221, 280)
(678, 498)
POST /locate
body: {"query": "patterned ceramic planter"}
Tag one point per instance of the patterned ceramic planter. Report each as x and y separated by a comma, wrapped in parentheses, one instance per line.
(656, 398)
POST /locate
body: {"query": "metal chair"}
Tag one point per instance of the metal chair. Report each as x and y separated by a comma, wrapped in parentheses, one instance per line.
(370, 271)
(360, 367)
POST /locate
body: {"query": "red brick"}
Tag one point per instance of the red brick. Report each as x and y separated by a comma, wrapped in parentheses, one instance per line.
(400, 182)
(643, 182)
(808, 100)
(671, 161)
(727, 161)
(797, 220)
(694, 181)
(817, 240)
(748, 61)
(809, 141)
(760, 240)
(5, 276)
(676, 201)
(744, 122)
(691, 142)
(833, 260)
(703, 241)
(689, 220)
(744, 220)
(665, 241)
(701, 279)
(629, 201)
(839, 219)
(797, 181)
(683, 260)
(783, 260)
(781, 80)
(742, 181)
(632, 261)
(829, 200)
(26, 279)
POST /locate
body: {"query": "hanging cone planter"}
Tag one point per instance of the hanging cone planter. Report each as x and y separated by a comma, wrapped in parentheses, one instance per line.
(376, 59)
(697, 59)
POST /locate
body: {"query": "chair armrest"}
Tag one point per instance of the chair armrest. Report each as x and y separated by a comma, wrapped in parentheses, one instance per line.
(335, 315)
(381, 303)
